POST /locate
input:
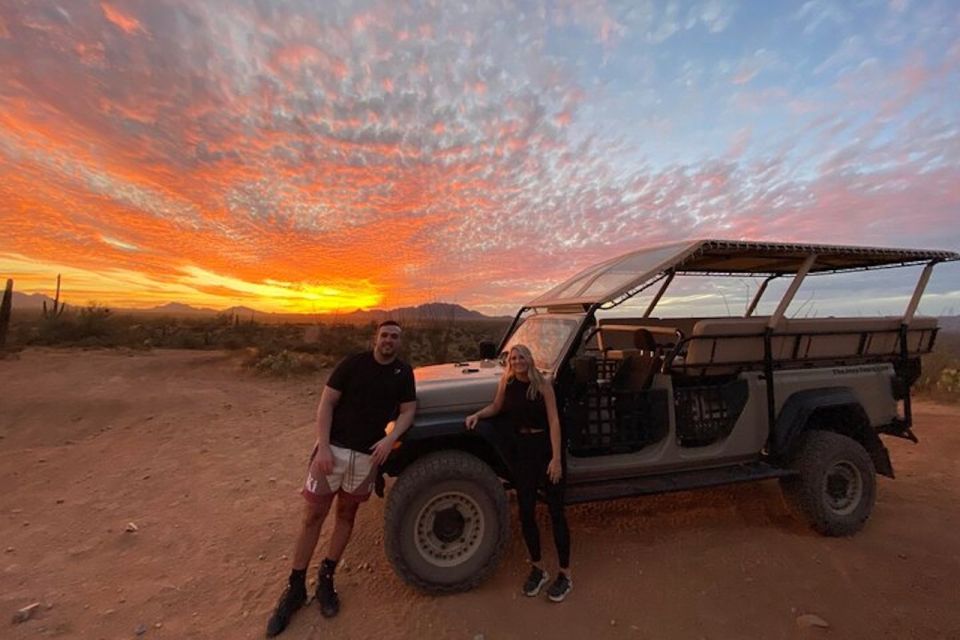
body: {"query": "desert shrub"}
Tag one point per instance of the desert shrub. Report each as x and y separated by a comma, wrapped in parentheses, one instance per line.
(93, 320)
(339, 340)
(949, 381)
(232, 343)
(89, 326)
(53, 330)
(186, 340)
(284, 363)
(308, 347)
(940, 377)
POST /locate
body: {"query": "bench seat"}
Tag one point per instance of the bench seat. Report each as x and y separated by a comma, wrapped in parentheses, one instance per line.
(716, 343)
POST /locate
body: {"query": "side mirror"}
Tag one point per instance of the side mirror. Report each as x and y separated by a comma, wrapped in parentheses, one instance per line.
(488, 350)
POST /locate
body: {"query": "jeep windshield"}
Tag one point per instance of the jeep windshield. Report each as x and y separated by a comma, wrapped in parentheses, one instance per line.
(547, 336)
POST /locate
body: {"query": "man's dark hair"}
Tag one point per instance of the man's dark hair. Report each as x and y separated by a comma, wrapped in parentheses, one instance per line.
(389, 323)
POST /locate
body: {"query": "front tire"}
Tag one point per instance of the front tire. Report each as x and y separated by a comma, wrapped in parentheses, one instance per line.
(446, 523)
(837, 484)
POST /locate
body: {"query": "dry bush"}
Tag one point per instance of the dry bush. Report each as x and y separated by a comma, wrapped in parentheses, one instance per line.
(336, 340)
(940, 379)
(90, 326)
(284, 364)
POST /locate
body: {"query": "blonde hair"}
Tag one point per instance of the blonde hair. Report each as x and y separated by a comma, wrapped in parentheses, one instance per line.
(536, 378)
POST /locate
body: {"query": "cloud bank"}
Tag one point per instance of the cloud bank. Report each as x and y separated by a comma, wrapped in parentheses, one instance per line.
(316, 156)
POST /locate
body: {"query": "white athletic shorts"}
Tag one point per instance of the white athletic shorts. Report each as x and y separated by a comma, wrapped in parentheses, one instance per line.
(353, 477)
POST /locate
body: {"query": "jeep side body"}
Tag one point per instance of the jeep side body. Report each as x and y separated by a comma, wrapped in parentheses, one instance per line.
(652, 404)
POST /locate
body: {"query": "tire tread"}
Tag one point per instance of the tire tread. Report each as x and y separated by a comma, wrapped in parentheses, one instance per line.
(441, 465)
(804, 493)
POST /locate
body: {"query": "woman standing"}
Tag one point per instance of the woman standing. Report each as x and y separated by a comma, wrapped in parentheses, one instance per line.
(529, 404)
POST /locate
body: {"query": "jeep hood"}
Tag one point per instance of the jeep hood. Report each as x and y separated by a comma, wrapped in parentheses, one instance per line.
(449, 387)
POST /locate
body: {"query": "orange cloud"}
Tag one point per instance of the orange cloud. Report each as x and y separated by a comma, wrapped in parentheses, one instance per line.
(125, 22)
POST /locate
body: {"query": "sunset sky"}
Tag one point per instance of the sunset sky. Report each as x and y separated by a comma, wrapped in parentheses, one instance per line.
(311, 155)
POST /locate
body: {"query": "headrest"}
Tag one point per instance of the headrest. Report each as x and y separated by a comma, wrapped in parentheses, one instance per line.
(643, 340)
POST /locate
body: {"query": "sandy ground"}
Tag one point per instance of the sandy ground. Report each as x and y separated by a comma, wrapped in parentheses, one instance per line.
(206, 460)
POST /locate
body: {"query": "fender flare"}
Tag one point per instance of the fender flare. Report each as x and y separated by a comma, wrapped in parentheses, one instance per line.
(795, 418)
(488, 441)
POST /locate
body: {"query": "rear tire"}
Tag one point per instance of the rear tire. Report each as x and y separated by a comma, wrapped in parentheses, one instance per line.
(837, 485)
(446, 523)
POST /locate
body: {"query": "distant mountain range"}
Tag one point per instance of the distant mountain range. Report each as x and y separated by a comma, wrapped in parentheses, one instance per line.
(433, 310)
(30, 301)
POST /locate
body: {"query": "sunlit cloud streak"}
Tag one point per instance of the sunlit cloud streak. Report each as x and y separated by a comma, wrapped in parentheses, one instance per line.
(321, 156)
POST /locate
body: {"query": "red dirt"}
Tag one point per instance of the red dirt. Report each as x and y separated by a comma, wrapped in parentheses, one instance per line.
(207, 459)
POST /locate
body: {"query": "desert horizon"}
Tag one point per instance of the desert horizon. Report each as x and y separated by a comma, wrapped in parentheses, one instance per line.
(34, 302)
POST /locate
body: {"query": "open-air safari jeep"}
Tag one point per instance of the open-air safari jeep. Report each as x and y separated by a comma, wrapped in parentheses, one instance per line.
(652, 404)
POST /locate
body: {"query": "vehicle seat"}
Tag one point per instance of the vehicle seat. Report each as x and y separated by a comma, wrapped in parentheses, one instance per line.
(637, 369)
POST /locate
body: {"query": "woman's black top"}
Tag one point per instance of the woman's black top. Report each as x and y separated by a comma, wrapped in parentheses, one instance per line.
(520, 411)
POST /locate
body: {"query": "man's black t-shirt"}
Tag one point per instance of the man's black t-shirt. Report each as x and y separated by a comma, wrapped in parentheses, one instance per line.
(370, 397)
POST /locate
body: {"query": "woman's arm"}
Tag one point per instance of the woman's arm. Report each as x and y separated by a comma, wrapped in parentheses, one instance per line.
(491, 409)
(555, 468)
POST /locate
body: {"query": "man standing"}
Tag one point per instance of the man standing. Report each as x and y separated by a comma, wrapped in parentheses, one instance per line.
(364, 393)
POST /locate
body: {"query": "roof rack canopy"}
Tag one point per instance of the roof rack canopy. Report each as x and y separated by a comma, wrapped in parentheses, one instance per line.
(621, 276)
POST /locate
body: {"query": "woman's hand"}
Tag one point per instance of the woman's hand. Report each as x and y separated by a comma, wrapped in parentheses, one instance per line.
(554, 470)
(472, 421)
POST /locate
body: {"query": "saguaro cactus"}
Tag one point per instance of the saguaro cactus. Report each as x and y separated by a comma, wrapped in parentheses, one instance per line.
(5, 307)
(57, 306)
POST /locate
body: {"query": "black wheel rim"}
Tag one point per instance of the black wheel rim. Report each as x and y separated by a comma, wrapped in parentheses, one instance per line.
(448, 525)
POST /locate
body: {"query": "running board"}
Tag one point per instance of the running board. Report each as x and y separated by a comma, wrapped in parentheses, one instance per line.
(677, 481)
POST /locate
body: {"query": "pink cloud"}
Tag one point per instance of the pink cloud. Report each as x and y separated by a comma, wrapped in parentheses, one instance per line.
(126, 22)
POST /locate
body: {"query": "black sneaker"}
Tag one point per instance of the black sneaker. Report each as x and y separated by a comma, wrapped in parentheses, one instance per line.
(535, 581)
(560, 588)
(327, 597)
(291, 600)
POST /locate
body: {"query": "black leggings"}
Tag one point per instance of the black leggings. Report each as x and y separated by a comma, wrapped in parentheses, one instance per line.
(533, 457)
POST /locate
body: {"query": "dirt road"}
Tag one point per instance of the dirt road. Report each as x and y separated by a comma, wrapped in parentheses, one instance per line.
(206, 461)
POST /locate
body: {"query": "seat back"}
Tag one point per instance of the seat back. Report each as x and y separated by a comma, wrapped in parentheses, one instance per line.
(717, 345)
(636, 371)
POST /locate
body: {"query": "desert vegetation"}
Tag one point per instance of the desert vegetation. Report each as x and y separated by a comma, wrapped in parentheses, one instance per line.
(288, 349)
(270, 349)
(291, 349)
(940, 378)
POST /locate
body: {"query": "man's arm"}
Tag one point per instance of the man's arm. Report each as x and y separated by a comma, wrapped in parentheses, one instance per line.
(404, 419)
(384, 446)
(324, 458)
